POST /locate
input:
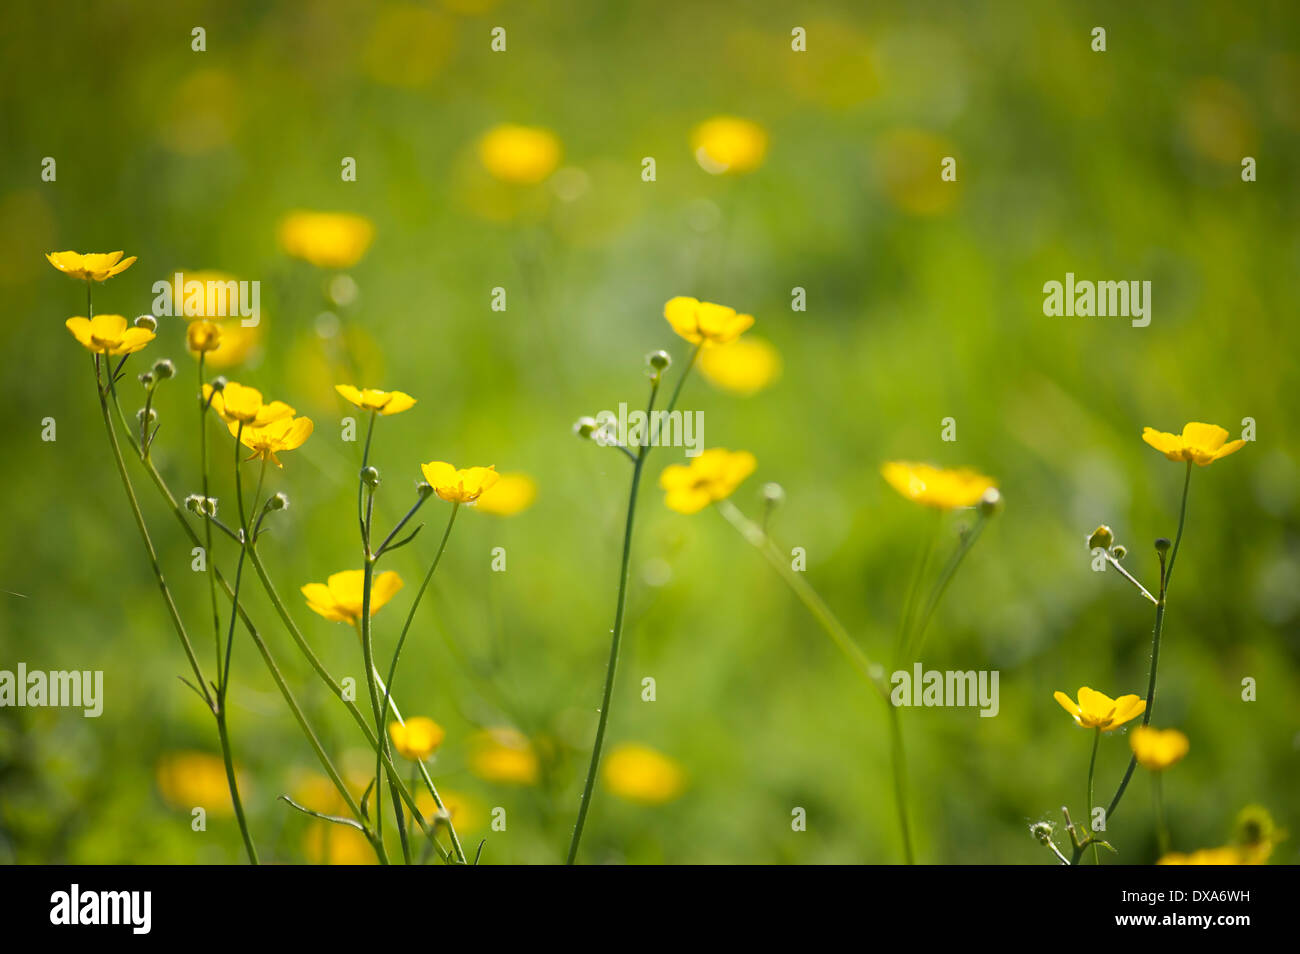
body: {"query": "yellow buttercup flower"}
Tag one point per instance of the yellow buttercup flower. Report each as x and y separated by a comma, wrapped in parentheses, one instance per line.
(505, 756)
(512, 494)
(267, 440)
(339, 597)
(704, 323)
(744, 366)
(189, 780)
(1202, 444)
(326, 239)
(522, 155)
(93, 266)
(417, 739)
(1157, 749)
(459, 486)
(710, 477)
(109, 334)
(937, 487)
(1096, 710)
(372, 399)
(238, 404)
(640, 774)
(728, 145)
(202, 336)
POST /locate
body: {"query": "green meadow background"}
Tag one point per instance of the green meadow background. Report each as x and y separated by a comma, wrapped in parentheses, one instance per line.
(924, 301)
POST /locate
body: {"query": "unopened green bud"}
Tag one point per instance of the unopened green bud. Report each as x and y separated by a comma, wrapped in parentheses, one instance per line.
(424, 489)
(1101, 537)
(279, 502)
(773, 494)
(164, 369)
(585, 427)
(371, 476)
(1119, 552)
(194, 504)
(219, 383)
(1042, 831)
(146, 378)
(1163, 545)
(148, 322)
(659, 360)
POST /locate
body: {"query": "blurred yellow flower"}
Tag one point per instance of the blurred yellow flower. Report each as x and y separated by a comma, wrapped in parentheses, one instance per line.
(326, 239)
(202, 336)
(267, 440)
(937, 487)
(728, 145)
(327, 843)
(372, 399)
(417, 739)
(238, 404)
(703, 322)
(339, 597)
(91, 266)
(512, 494)
(459, 486)
(640, 774)
(505, 756)
(466, 812)
(1157, 749)
(522, 155)
(108, 334)
(1227, 855)
(710, 477)
(1096, 710)
(1201, 443)
(744, 366)
(189, 780)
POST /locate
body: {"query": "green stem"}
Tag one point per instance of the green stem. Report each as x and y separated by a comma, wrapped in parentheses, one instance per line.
(105, 390)
(1092, 767)
(1155, 644)
(1162, 830)
(616, 634)
(898, 760)
(397, 652)
(165, 492)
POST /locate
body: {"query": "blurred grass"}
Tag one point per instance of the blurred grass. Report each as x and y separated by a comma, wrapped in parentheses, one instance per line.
(1116, 165)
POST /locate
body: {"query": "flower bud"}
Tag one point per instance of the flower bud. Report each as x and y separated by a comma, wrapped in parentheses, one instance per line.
(219, 383)
(773, 494)
(424, 489)
(371, 476)
(1118, 552)
(164, 369)
(140, 415)
(148, 322)
(1042, 831)
(1101, 537)
(279, 502)
(1163, 545)
(194, 504)
(585, 427)
(991, 502)
(659, 360)
(210, 506)
(146, 379)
